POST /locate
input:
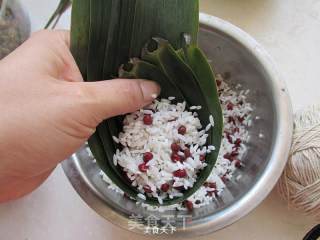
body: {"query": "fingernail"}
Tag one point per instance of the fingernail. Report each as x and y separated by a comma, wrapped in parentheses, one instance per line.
(150, 90)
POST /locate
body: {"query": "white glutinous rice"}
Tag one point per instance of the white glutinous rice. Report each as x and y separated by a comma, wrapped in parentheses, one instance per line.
(163, 149)
(138, 139)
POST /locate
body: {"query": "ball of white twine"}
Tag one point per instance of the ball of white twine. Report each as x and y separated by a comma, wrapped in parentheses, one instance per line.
(299, 184)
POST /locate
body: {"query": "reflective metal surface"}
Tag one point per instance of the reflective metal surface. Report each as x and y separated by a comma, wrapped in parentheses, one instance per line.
(243, 61)
(22, 17)
(19, 20)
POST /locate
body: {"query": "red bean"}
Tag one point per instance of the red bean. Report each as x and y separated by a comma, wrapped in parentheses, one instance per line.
(187, 153)
(230, 106)
(182, 130)
(147, 189)
(229, 157)
(147, 156)
(143, 167)
(238, 164)
(238, 142)
(229, 138)
(181, 173)
(147, 119)
(211, 193)
(189, 205)
(165, 187)
(212, 185)
(175, 157)
(175, 147)
(224, 178)
(231, 120)
(240, 119)
(234, 153)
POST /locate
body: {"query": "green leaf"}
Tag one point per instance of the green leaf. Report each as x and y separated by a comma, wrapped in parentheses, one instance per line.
(99, 153)
(80, 25)
(107, 33)
(100, 26)
(144, 70)
(61, 8)
(196, 59)
(181, 74)
(195, 79)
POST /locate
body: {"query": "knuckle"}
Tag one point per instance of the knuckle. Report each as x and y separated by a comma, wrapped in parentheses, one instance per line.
(87, 99)
(132, 93)
(83, 94)
(81, 91)
(82, 101)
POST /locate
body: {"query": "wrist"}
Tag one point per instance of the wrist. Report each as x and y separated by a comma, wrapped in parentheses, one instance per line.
(12, 188)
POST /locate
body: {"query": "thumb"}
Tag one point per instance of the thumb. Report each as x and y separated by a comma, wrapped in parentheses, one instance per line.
(119, 96)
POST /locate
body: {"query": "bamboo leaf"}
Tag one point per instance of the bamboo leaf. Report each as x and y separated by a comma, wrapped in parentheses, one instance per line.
(100, 22)
(181, 74)
(194, 77)
(61, 8)
(107, 33)
(205, 76)
(195, 58)
(99, 153)
(80, 25)
(167, 19)
(100, 14)
(144, 70)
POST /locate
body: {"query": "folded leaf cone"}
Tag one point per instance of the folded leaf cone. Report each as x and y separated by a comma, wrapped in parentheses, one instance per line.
(107, 33)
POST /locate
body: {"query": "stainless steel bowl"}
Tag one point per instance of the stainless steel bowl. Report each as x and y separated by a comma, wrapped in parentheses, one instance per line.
(243, 61)
(20, 22)
(22, 17)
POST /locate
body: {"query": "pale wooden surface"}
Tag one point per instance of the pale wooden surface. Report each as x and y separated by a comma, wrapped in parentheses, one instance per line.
(289, 30)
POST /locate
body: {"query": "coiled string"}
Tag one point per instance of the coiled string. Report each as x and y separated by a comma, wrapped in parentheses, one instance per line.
(299, 184)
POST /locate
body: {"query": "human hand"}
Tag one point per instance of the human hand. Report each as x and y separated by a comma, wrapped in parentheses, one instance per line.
(48, 112)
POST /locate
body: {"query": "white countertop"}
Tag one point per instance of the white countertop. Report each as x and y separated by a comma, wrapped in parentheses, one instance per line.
(289, 30)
